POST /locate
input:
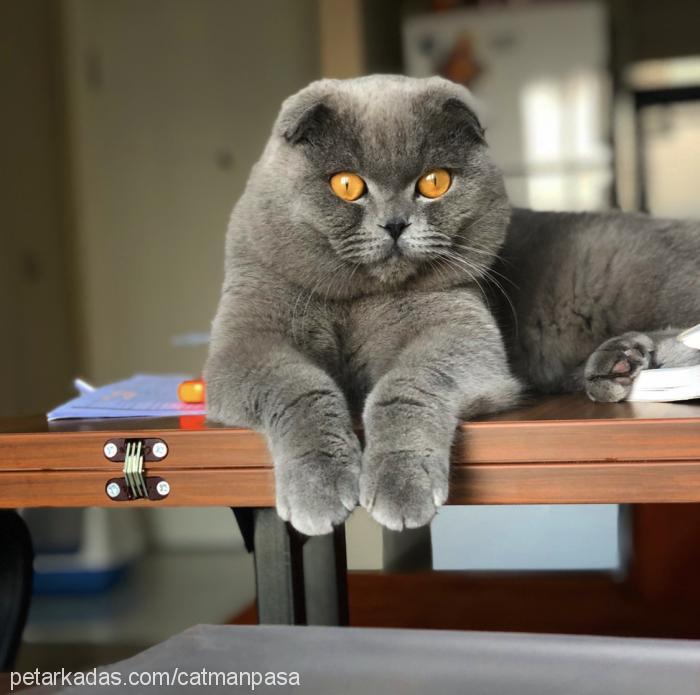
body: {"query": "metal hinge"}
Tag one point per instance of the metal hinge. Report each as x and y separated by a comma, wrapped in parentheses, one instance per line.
(136, 484)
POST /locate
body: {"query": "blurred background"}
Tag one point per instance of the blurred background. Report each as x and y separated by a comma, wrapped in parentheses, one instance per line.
(128, 128)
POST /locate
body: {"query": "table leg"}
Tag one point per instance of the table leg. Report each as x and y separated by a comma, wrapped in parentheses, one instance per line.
(15, 584)
(279, 570)
(299, 580)
(325, 579)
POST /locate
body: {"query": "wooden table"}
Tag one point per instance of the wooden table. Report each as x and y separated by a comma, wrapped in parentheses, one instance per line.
(560, 450)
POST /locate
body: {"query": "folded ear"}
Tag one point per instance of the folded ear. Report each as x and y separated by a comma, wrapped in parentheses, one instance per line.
(307, 125)
(306, 115)
(467, 120)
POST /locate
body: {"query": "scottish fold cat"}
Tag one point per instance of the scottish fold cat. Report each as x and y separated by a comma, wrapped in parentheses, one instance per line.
(367, 267)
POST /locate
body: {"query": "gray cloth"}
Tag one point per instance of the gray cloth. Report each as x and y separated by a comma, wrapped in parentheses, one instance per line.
(331, 661)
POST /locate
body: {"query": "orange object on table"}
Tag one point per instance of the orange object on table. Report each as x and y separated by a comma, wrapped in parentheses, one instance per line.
(191, 391)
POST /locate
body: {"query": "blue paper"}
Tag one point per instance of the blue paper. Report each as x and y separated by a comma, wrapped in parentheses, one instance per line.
(143, 395)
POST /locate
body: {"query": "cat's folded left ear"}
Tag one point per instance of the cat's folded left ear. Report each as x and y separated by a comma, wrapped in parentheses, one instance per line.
(466, 117)
(459, 108)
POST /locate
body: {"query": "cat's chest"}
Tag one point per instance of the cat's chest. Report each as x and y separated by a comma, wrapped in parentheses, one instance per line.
(362, 339)
(355, 341)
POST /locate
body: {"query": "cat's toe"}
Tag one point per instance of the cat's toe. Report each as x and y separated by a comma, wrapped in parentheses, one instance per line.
(314, 496)
(313, 517)
(610, 370)
(609, 390)
(404, 489)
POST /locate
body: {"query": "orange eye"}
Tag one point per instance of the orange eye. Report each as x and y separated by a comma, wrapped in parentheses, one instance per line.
(434, 183)
(347, 186)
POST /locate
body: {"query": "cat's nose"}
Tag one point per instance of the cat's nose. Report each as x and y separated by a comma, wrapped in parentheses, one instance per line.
(395, 227)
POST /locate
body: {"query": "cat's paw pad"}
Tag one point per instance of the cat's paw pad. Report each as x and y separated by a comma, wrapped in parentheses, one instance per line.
(612, 368)
(403, 489)
(317, 492)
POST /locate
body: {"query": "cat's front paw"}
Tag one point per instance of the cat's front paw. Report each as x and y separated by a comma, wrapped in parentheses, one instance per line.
(317, 491)
(403, 488)
(612, 368)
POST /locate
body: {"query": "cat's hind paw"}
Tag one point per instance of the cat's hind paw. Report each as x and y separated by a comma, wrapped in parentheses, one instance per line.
(403, 489)
(611, 369)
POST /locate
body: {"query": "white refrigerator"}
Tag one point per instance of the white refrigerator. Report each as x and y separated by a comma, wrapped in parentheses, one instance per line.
(540, 72)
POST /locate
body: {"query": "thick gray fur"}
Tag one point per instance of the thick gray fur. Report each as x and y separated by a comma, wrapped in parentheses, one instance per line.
(325, 317)
(598, 297)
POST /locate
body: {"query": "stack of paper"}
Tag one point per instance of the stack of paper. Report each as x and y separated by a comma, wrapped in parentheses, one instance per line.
(667, 384)
(144, 395)
(670, 383)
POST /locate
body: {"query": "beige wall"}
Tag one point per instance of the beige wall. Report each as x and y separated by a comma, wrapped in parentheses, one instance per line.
(171, 102)
(37, 353)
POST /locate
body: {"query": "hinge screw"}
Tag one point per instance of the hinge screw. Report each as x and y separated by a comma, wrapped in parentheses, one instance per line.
(110, 450)
(113, 490)
(160, 449)
(163, 488)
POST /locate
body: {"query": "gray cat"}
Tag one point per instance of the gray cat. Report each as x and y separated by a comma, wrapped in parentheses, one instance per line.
(360, 267)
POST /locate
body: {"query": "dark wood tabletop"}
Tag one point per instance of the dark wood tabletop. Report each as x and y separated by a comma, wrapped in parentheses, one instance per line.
(563, 449)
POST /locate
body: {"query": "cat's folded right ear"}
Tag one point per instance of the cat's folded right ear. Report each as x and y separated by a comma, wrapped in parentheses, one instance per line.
(305, 117)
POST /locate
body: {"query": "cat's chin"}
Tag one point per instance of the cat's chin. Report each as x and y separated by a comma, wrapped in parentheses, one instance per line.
(392, 271)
